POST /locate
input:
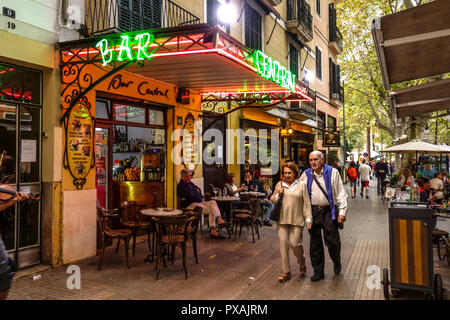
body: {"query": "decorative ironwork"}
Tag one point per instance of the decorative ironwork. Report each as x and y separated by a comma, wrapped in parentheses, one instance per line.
(214, 106)
(125, 16)
(335, 35)
(299, 11)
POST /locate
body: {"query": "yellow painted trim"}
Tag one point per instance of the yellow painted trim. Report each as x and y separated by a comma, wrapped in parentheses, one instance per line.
(403, 251)
(417, 227)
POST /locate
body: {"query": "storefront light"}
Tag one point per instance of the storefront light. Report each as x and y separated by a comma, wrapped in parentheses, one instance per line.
(226, 13)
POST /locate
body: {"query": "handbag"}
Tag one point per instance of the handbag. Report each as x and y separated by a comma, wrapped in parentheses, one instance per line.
(336, 208)
(276, 211)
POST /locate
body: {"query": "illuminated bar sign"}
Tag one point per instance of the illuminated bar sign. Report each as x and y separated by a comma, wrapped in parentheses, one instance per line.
(274, 71)
(125, 51)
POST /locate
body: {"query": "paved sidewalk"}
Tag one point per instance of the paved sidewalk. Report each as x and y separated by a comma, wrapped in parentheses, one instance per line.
(238, 269)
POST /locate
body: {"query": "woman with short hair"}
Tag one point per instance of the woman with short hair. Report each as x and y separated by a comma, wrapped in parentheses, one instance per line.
(295, 211)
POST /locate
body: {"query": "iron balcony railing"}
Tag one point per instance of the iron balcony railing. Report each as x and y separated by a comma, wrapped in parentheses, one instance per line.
(336, 36)
(108, 16)
(307, 108)
(300, 10)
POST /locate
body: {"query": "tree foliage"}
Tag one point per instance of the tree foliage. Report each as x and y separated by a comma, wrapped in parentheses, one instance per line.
(367, 103)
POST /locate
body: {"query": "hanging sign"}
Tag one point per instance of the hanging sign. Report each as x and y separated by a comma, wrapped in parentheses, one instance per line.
(191, 145)
(131, 47)
(273, 70)
(79, 148)
(331, 139)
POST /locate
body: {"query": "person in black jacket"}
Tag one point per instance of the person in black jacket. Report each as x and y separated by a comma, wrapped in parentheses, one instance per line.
(254, 185)
(381, 170)
(192, 197)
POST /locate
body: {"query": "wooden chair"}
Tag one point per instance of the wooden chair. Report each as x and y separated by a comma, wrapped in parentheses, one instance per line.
(247, 217)
(171, 233)
(104, 222)
(131, 218)
(179, 206)
(194, 218)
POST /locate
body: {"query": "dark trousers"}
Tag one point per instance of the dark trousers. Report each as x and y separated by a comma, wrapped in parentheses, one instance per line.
(322, 220)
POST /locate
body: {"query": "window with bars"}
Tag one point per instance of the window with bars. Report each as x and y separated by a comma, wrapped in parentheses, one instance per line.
(253, 29)
(293, 60)
(139, 14)
(318, 63)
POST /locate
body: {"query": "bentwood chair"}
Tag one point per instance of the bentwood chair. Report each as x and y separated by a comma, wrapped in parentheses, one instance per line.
(131, 218)
(193, 221)
(247, 217)
(171, 233)
(105, 223)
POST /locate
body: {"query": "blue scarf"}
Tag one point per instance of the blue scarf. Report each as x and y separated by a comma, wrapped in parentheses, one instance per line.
(327, 170)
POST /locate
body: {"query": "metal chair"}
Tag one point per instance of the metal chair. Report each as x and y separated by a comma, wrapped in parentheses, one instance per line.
(247, 217)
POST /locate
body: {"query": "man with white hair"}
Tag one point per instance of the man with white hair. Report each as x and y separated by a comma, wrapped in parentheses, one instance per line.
(329, 206)
(193, 198)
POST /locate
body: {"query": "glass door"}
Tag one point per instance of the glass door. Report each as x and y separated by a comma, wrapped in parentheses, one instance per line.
(102, 164)
(20, 129)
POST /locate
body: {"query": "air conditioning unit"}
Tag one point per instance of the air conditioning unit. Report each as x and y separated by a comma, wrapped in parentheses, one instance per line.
(72, 13)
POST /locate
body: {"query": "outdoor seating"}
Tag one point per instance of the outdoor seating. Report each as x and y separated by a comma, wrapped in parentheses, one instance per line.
(171, 233)
(132, 219)
(439, 237)
(104, 222)
(247, 217)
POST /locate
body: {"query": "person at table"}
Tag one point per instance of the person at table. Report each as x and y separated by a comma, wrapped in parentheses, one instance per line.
(445, 177)
(426, 194)
(437, 187)
(233, 190)
(254, 185)
(193, 198)
(295, 212)
(405, 177)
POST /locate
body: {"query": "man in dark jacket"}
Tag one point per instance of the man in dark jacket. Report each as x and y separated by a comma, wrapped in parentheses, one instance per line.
(254, 185)
(381, 170)
(192, 197)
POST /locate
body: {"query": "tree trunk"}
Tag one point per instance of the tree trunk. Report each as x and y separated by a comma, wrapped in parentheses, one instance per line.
(368, 142)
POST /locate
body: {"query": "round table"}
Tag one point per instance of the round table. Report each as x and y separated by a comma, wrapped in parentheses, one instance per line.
(227, 201)
(164, 212)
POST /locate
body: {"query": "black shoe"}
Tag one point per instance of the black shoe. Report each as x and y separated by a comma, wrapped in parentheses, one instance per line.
(337, 269)
(367, 197)
(267, 223)
(317, 277)
(361, 194)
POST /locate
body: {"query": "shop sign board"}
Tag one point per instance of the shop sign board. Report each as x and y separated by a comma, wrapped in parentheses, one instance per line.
(272, 70)
(79, 148)
(331, 139)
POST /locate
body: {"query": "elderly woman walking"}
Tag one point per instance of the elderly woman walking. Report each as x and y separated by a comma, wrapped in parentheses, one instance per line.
(295, 211)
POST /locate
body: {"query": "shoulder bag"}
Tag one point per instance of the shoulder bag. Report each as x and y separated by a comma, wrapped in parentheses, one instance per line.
(336, 208)
(276, 211)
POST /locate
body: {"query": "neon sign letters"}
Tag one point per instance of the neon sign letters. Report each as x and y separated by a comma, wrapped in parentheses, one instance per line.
(125, 50)
(273, 70)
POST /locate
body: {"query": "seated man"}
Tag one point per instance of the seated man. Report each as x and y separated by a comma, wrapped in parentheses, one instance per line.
(193, 198)
(254, 185)
(426, 194)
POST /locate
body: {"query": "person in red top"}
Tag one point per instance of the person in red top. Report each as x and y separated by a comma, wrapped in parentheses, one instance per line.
(352, 174)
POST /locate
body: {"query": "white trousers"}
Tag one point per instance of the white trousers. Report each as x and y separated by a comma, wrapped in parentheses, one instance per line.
(210, 208)
(290, 236)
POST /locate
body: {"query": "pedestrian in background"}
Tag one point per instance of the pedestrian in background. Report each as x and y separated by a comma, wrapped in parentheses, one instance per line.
(329, 207)
(352, 174)
(295, 212)
(357, 169)
(365, 171)
(381, 170)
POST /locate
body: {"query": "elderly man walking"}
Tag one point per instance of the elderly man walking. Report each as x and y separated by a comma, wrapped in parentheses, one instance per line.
(329, 206)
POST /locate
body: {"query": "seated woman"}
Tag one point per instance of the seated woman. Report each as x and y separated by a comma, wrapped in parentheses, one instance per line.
(193, 198)
(233, 190)
(405, 177)
(426, 194)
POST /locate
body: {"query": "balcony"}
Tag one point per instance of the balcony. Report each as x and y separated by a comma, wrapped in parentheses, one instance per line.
(116, 16)
(335, 37)
(299, 19)
(304, 110)
(336, 94)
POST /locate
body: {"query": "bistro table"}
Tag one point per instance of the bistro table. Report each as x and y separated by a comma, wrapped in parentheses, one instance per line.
(227, 202)
(159, 212)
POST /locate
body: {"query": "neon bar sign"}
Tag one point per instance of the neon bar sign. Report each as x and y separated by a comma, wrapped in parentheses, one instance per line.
(274, 71)
(125, 51)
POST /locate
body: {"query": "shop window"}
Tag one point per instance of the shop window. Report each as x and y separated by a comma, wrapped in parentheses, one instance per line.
(128, 113)
(20, 84)
(156, 117)
(253, 28)
(8, 143)
(102, 109)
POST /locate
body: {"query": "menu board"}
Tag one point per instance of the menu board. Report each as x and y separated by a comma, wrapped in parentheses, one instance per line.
(79, 142)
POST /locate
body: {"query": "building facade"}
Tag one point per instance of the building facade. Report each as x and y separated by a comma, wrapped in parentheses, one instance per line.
(96, 93)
